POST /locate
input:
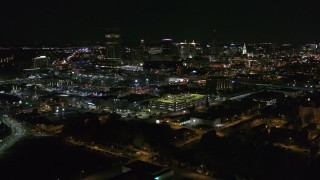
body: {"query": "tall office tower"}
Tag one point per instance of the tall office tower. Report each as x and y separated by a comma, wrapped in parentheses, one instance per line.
(184, 50)
(214, 54)
(113, 44)
(167, 46)
(41, 62)
(244, 50)
(142, 47)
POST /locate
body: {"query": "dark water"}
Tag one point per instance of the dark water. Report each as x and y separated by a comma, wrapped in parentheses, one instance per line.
(50, 158)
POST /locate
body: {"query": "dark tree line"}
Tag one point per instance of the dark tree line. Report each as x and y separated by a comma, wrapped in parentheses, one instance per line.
(114, 130)
(245, 157)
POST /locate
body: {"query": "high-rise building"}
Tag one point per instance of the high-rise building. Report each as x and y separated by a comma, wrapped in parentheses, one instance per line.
(41, 62)
(142, 47)
(184, 50)
(113, 44)
(244, 50)
(167, 46)
(214, 47)
(188, 50)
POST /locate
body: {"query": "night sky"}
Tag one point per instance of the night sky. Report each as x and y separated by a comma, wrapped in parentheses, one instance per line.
(61, 21)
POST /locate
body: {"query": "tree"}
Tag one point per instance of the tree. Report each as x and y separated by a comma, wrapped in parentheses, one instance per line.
(139, 140)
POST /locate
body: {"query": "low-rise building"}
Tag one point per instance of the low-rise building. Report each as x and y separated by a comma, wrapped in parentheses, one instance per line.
(143, 170)
(178, 102)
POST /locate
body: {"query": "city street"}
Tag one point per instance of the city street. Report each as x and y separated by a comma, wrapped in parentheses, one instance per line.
(17, 132)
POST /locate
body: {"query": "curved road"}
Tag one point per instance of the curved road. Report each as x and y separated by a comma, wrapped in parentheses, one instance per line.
(17, 132)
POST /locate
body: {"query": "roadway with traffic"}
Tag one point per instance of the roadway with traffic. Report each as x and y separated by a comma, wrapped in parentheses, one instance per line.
(17, 132)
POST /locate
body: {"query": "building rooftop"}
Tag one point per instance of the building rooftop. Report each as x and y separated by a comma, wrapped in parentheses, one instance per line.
(143, 171)
(145, 167)
(180, 98)
(133, 175)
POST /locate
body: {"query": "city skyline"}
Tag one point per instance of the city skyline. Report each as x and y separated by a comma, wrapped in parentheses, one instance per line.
(249, 21)
(159, 90)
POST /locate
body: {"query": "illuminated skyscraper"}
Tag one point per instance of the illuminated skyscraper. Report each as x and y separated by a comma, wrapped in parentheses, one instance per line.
(214, 50)
(41, 62)
(244, 50)
(142, 45)
(113, 45)
(167, 46)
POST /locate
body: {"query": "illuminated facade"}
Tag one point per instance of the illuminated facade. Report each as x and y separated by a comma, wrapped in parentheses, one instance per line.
(244, 49)
(166, 46)
(113, 45)
(40, 62)
(6, 63)
(178, 102)
(188, 50)
(217, 84)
